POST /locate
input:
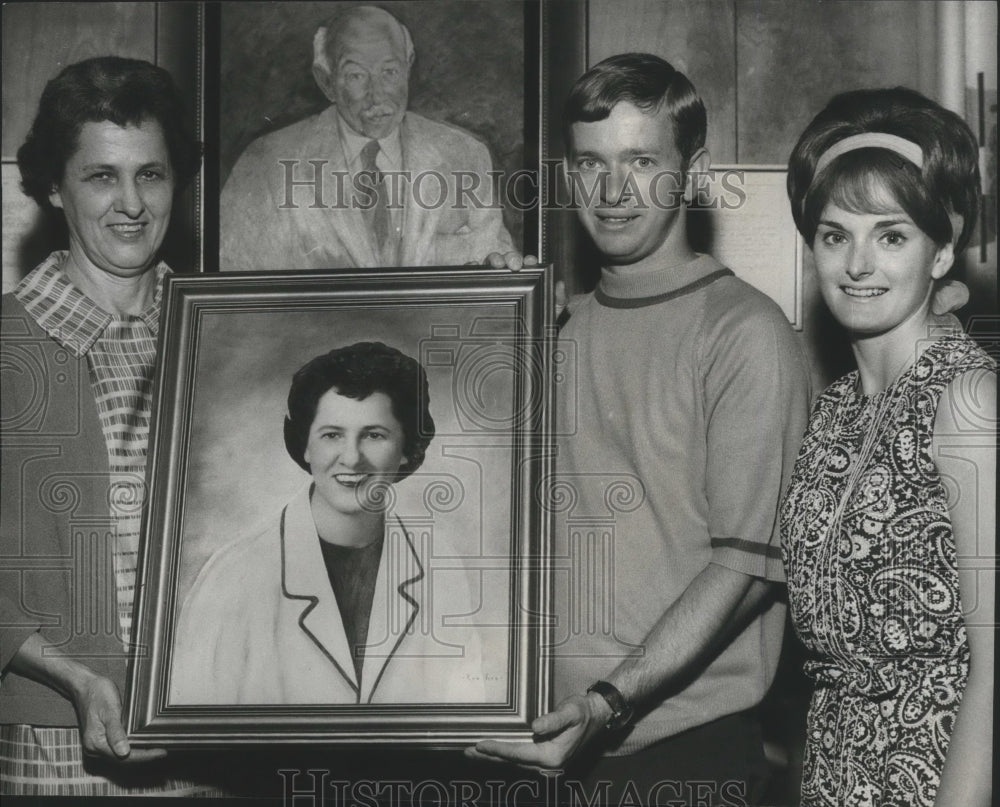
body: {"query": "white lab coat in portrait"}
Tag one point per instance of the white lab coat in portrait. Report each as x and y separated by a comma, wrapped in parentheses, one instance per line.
(261, 625)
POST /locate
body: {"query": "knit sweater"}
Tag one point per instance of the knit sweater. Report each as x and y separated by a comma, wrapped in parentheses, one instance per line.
(677, 435)
(56, 537)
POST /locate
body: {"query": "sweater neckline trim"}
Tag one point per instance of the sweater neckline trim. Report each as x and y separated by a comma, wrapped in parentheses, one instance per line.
(606, 299)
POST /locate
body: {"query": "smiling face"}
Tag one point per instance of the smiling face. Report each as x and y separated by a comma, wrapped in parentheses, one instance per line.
(354, 447)
(631, 159)
(117, 191)
(876, 270)
(371, 74)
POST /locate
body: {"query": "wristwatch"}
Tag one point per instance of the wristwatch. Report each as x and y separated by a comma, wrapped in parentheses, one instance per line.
(621, 711)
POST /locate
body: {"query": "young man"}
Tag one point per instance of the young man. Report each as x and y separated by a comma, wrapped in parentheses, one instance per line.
(691, 389)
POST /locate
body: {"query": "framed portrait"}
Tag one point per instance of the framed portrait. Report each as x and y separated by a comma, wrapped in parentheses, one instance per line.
(345, 540)
(464, 146)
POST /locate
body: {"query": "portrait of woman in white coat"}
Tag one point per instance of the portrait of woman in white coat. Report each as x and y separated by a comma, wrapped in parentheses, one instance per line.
(332, 603)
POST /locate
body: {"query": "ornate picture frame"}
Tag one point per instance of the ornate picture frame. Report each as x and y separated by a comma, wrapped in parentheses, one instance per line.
(471, 517)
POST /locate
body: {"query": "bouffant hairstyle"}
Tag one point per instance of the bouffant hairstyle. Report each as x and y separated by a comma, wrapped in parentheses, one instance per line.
(107, 88)
(357, 371)
(946, 183)
(648, 82)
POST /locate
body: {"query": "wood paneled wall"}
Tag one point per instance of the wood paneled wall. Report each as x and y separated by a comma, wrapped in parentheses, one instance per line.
(764, 68)
(39, 39)
(792, 57)
(695, 36)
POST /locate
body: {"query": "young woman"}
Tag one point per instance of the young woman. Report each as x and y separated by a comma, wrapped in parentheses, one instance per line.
(892, 498)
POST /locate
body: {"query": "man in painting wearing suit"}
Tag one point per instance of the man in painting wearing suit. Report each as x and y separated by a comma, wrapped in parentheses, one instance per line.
(365, 182)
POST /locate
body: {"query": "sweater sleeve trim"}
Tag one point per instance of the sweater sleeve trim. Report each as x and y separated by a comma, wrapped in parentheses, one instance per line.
(743, 545)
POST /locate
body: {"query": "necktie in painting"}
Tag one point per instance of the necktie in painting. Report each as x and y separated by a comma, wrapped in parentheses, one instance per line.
(379, 213)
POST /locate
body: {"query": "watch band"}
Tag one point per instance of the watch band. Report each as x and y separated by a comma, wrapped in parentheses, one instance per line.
(621, 711)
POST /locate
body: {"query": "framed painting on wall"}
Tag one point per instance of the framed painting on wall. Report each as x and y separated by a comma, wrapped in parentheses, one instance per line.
(449, 92)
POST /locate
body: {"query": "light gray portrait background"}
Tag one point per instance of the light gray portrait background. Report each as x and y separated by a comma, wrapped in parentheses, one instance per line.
(238, 474)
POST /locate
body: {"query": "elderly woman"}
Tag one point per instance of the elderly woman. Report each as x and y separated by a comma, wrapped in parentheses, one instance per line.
(108, 150)
(331, 602)
(884, 187)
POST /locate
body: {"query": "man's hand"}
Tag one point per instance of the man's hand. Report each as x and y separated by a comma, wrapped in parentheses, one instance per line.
(679, 643)
(559, 735)
(509, 260)
(948, 296)
(514, 262)
(561, 300)
(99, 710)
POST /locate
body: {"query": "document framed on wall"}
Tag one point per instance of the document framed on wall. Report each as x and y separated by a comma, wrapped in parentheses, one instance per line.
(741, 216)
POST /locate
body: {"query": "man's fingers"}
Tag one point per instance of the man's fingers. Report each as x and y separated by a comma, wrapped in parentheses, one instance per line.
(560, 294)
(531, 755)
(950, 295)
(512, 752)
(514, 261)
(473, 753)
(553, 722)
(509, 260)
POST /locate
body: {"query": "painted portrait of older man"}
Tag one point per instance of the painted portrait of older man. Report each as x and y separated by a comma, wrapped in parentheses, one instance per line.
(365, 181)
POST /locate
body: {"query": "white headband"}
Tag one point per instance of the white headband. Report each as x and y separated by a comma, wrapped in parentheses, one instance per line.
(878, 140)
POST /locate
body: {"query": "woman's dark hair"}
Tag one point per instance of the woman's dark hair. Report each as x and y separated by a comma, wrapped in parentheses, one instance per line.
(107, 88)
(356, 371)
(648, 82)
(947, 183)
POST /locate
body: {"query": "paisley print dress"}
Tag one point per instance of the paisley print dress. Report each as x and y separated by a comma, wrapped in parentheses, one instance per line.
(870, 559)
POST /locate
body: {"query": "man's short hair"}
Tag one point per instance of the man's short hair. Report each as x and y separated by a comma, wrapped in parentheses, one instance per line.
(648, 82)
(326, 35)
(947, 183)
